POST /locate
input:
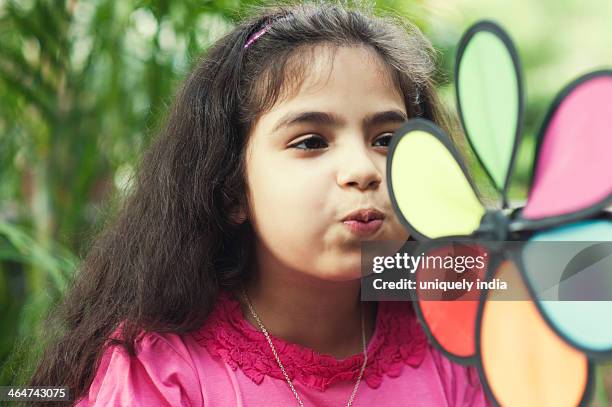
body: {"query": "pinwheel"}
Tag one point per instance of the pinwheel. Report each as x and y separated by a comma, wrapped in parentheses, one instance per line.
(530, 350)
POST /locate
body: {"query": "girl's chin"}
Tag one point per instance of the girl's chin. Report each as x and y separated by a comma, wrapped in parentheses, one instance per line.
(334, 272)
(340, 275)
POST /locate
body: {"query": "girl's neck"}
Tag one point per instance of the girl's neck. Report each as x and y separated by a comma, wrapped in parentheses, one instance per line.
(321, 315)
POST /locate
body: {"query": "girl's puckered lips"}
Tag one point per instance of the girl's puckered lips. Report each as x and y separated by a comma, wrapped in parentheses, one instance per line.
(364, 222)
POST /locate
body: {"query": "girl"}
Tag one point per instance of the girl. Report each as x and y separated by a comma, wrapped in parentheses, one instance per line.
(231, 277)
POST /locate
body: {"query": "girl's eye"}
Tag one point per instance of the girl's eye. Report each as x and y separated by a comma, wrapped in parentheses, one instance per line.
(310, 143)
(384, 140)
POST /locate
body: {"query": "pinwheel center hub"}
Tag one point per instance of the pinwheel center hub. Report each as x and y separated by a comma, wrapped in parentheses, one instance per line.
(494, 226)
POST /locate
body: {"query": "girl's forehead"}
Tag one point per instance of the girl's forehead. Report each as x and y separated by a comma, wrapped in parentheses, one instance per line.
(348, 83)
(351, 82)
(323, 63)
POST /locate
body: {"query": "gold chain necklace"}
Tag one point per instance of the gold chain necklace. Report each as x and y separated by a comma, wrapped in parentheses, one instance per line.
(282, 368)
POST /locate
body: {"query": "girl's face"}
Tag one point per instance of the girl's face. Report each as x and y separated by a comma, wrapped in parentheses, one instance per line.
(319, 156)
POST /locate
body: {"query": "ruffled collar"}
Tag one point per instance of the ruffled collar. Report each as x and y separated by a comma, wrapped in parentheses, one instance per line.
(398, 340)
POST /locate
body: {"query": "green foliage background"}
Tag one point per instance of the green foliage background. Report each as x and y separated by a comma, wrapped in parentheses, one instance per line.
(84, 83)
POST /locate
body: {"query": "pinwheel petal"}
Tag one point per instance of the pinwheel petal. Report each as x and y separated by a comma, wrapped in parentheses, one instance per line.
(490, 98)
(449, 317)
(522, 361)
(430, 190)
(573, 171)
(569, 271)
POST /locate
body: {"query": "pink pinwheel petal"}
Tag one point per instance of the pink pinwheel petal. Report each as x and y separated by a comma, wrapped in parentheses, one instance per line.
(574, 167)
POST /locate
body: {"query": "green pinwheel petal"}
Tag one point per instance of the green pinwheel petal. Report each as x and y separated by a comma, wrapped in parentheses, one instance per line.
(489, 96)
(429, 188)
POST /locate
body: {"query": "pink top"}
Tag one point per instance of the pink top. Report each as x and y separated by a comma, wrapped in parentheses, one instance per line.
(228, 362)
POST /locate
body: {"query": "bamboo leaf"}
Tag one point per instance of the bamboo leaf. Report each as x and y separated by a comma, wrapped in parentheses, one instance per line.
(31, 73)
(56, 267)
(27, 92)
(27, 27)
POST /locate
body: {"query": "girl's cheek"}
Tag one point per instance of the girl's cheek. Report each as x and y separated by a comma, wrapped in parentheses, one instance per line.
(305, 179)
(398, 232)
(287, 193)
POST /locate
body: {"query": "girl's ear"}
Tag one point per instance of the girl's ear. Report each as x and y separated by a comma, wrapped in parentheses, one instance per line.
(238, 214)
(236, 206)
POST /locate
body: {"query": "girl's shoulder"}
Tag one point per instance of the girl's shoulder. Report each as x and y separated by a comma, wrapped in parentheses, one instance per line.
(461, 384)
(161, 372)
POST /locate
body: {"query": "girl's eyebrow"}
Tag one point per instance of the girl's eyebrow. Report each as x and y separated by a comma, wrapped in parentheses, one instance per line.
(331, 119)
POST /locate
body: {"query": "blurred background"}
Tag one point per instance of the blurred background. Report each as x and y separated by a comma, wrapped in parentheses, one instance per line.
(84, 83)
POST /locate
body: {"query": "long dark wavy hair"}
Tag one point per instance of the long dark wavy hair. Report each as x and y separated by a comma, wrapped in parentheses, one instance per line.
(174, 243)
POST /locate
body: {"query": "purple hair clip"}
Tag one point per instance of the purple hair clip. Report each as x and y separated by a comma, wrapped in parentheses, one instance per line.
(256, 35)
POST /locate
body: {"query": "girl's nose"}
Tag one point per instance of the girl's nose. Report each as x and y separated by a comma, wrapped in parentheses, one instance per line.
(357, 169)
